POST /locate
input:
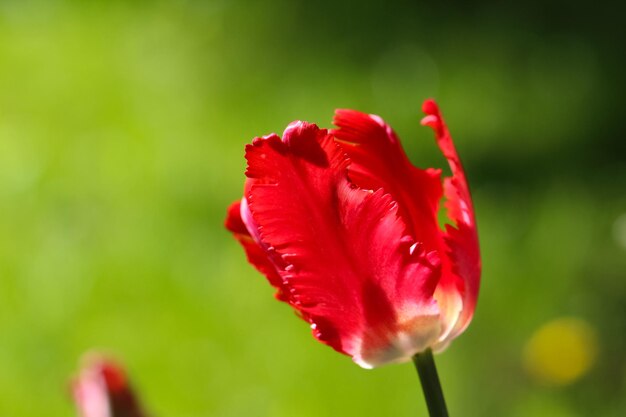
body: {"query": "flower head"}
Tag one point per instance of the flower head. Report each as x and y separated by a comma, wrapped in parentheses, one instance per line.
(102, 390)
(346, 229)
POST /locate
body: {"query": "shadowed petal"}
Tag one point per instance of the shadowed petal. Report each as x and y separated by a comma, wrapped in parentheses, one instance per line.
(257, 255)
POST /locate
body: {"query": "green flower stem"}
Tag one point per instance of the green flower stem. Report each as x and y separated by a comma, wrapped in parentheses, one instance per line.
(427, 371)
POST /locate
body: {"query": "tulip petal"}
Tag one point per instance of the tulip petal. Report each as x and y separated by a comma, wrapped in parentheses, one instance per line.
(378, 161)
(352, 272)
(462, 238)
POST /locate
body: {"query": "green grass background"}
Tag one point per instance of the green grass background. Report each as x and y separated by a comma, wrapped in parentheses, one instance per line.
(122, 127)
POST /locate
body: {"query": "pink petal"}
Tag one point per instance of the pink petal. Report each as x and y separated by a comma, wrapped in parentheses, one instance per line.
(102, 390)
(352, 272)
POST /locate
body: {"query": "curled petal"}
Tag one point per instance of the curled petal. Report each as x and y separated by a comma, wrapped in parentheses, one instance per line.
(462, 238)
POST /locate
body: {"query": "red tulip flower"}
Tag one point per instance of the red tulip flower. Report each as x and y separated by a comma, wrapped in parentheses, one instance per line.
(346, 229)
(102, 390)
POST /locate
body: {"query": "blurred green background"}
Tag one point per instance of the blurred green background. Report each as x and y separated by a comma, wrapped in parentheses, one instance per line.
(122, 126)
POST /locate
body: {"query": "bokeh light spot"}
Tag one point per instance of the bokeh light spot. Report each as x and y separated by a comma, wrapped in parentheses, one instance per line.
(561, 351)
(619, 231)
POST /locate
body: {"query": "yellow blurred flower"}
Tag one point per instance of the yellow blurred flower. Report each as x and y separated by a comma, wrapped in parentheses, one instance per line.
(561, 351)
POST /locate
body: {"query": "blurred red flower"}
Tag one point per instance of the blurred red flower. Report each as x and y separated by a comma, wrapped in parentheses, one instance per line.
(102, 390)
(346, 229)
